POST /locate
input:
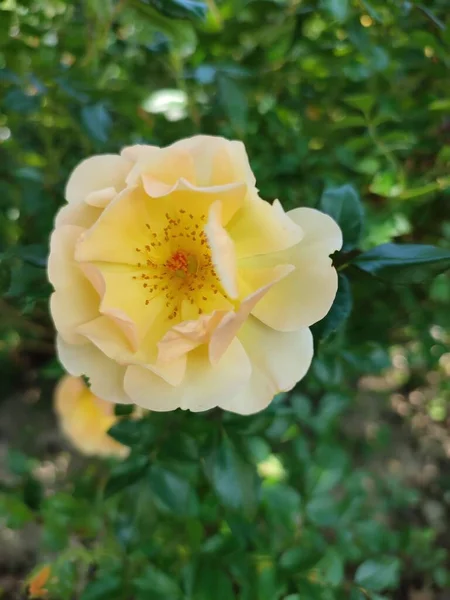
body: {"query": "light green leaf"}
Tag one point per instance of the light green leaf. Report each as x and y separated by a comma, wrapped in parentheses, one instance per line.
(378, 575)
(154, 583)
(331, 568)
(109, 586)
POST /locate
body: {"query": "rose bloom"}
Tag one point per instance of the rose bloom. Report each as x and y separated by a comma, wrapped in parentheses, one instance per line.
(85, 419)
(177, 286)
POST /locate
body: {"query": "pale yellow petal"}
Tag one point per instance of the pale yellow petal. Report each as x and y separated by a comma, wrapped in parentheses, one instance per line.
(203, 387)
(119, 231)
(125, 299)
(80, 214)
(222, 251)
(105, 376)
(307, 294)
(279, 361)
(97, 173)
(262, 228)
(228, 326)
(85, 419)
(198, 200)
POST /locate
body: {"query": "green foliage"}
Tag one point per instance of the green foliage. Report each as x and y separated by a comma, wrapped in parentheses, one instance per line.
(343, 105)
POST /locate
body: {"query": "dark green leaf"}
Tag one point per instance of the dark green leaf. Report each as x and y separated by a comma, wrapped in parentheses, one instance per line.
(180, 9)
(131, 432)
(126, 473)
(378, 575)
(123, 410)
(234, 480)
(105, 588)
(404, 263)
(234, 102)
(339, 312)
(337, 8)
(211, 577)
(172, 492)
(344, 205)
(97, 121)
(153, 583)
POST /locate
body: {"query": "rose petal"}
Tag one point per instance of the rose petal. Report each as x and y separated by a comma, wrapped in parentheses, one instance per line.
(307, 294)
(279, 361)
(261, 228)
(222, 251)
(105, 376)
(97, 173)
(203, 387)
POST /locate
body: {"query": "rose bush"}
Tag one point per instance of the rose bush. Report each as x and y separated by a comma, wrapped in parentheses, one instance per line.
(176, 285)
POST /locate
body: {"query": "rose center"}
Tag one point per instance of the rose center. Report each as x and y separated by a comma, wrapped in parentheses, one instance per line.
(182, 264)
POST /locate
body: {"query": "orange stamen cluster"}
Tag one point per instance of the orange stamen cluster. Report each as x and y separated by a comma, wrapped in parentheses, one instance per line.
(188, 272)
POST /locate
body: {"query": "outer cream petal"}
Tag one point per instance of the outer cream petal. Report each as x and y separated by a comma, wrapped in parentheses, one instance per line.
(307, 294)
(105, 376)
(321, 232)
(75, 301)
(261, 228)
(80, 214)
(222, 251)
(62, 268)
(97, 173)
(279, 361)
(217, 160)
(203, 387)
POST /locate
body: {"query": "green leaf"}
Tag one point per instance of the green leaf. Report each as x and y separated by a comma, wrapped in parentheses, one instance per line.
(339, 9)
(378, 575)
(344, 206)
(180, 9)
(234, 102)
(125, 474)
(338, 314)
(131, 432)
(234, 480)
(362, 102)
(404, 263)
(97, 121)
(123, 410)
(331, 568)
(173, 493)
(157, 585)
(211, 578)
(109, 586)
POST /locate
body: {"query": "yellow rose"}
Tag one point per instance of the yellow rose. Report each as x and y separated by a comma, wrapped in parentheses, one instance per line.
(177, 286)
(85, 419)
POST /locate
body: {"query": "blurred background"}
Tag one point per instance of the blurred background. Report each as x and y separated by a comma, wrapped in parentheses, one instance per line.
(353, 495)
